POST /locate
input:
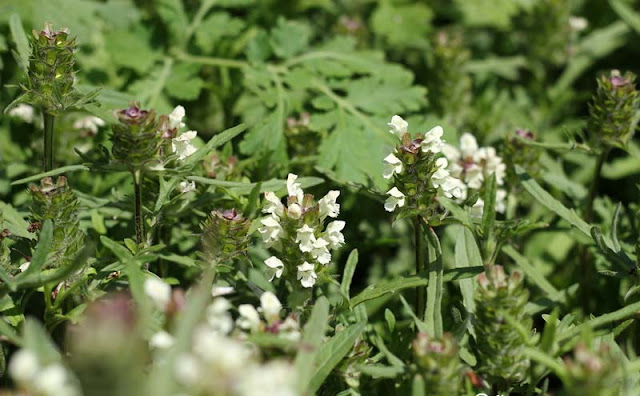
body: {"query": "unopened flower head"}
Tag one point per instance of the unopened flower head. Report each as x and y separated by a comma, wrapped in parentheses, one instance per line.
(271, 306)
(175, 118)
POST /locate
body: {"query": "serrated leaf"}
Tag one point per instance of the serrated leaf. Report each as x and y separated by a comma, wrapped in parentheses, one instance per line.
(216, 26)
(131, 49)
(173, 14)
(289, 38)
(184, 82)
(402, 25)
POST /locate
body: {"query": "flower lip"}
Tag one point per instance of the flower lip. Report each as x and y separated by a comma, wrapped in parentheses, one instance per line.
(525, 134)
(133, 114)
(230, 214)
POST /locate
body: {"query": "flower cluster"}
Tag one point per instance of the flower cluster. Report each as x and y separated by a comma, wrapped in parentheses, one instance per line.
(419, 170)
(222, 362)
(474, 165)
(438, 362)
(139, 136)
(35, 378)
(295, 232)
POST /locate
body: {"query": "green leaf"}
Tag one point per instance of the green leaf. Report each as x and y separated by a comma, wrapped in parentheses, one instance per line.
(392, 286)
(39, 258)
(311, 340)
(14, 221)
(122, 253)
(532, 273)
(418, 386)
(184, 82)
(349, 271)
(402, 25)
(55, 172)
(36, 339)
(551, 203)
(380, 371)
(332, 352)
(131, 49)
(23, 51)
(289, 38)
(217, 26)
(488, 13)
(467, 254)
(627, 14)
(241, 188)
(173, 14)
(216, 141)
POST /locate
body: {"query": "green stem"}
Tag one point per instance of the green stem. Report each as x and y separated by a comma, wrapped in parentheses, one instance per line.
(209, 60)
(137, 205)
(593, 191)
(420, 260)
(49, 120)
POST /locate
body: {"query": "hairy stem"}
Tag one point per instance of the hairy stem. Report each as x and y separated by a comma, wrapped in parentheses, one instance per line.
(49, 120)
(593, 191)
(420, 260)
(137, 205)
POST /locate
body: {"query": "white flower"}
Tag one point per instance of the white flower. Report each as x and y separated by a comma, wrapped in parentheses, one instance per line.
(492, 163)
(273, 204)
(249, 318)
(474, 176)
(217, 291)
(24, 266)
(454, 188)
(289, 329)
(432, 140)
(276, 267)
(293, 188)
(218, 316)
(320, 251)
(272, 230)
(468, 145)
(158, 291)
(578, 23)
(271, 306)
(396, 198)
(392, 166)
(451, 152)
(501, 204)
(334, 235)
(187, 369)
(89, 123)
(182, 145)
(441, 174)
(272, 378)
(477, 209)
(305, 237)
(307, 274)
(161, 340)
(23, 112)
(328, 205)
(51, 379)
(186, 186)
(294, 211)
(175, 118)
(23, 366)
(398, 126)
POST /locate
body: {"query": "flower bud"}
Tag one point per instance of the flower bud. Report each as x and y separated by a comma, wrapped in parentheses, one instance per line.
(57, 202)
(612, 111)
(135, 137)
(498, 345)
(225, 234)
(438, 360)
(593, 372)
